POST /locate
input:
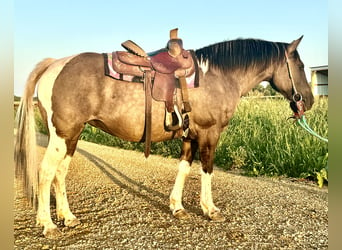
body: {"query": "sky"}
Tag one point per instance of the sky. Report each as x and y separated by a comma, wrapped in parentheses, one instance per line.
(66, 27)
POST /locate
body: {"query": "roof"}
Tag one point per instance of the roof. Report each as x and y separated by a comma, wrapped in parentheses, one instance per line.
(318, 68)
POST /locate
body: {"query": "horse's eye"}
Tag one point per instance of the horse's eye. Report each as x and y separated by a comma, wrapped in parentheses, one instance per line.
(301, 66)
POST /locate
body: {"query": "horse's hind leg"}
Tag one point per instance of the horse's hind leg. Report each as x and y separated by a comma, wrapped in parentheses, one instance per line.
(54, 168)
(62, 205)
(54, 155)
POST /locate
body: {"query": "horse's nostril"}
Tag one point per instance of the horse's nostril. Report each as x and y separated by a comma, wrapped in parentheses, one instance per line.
(293, 106)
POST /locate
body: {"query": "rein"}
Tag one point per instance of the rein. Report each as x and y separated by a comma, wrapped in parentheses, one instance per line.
(299, 116)
(303, 124)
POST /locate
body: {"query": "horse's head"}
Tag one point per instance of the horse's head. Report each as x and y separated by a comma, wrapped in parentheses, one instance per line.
(289, 78)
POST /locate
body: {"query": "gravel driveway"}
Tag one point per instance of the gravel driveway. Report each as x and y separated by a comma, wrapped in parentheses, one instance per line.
(122, 201)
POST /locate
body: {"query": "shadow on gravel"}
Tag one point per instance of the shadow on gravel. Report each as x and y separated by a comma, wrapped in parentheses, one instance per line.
(152, 196)
(105, 167)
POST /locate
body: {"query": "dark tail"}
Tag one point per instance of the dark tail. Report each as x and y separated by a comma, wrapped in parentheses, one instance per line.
(26, 167)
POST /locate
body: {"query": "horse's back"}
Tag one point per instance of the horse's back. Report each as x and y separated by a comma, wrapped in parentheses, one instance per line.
(75, 91)
(65, 90)
(78, 84)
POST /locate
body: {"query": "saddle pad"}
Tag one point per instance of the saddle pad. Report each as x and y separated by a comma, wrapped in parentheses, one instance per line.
(192, 80)
(109, 71)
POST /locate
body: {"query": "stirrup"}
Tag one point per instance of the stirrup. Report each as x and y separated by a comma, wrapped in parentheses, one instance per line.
(173, 120)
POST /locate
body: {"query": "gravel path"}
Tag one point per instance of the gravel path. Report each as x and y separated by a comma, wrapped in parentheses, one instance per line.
(122, 201)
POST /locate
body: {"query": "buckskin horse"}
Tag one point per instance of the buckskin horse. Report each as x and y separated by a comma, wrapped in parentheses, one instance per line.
(74, 91)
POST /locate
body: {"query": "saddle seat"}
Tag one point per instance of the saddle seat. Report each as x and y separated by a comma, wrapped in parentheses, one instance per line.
(165, 65)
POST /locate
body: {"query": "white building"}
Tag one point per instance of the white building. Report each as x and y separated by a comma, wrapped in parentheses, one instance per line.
(319, 80)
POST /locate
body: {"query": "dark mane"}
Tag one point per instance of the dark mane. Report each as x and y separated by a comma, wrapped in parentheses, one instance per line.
(242, 54)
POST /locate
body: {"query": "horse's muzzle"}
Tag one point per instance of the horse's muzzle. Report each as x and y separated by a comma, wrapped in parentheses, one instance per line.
(294, 104)
(294, 107)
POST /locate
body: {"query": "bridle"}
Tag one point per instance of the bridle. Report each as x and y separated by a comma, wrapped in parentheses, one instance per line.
(297, 97)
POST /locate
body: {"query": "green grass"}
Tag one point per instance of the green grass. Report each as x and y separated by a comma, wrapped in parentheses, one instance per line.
(259, 140)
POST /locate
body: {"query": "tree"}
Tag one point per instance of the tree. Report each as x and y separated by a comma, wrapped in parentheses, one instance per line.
(264, 89)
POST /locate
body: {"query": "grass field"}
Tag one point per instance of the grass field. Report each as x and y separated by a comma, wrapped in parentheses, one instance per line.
(259, 140)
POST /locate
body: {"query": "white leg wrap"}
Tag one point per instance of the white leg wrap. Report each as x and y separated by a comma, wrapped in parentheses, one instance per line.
(177, 192)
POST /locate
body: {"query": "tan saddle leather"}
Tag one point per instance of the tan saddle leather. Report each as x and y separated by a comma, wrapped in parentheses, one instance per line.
(163, 64)
(162, 71)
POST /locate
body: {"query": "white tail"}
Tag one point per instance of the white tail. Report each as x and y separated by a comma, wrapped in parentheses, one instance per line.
(26, 168)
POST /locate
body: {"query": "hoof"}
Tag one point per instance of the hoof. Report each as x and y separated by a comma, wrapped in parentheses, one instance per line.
(181, 214)
(72, 223)
(52, 233)
(217, 216)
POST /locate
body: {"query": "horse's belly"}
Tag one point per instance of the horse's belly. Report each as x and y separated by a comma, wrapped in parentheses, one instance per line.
(128, 122)
(127, 126)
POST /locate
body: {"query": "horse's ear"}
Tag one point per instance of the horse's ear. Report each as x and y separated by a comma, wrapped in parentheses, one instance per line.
(293, 46)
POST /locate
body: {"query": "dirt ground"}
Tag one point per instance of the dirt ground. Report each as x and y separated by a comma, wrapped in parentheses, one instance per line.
(122, 201)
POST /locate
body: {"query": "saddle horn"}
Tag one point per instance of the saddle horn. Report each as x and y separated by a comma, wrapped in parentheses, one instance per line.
(174, 33)
(175, 44)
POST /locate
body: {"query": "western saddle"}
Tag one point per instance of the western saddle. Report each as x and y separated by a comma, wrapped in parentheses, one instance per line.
(162, 72)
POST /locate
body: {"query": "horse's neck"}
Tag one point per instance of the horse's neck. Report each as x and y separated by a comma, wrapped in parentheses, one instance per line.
(250, 79)
(233, 84)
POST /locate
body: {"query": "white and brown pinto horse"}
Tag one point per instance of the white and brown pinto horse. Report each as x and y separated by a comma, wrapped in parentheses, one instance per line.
(73, 91)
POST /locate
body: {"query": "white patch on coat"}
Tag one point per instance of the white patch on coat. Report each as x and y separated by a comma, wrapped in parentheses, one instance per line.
(62, 209)
(204, 65)
(53, 156)
(177, 192)
(207, 203)
(55, 160)
(46, 83)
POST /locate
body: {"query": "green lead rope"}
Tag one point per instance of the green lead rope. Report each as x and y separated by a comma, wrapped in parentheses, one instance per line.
(302, 122)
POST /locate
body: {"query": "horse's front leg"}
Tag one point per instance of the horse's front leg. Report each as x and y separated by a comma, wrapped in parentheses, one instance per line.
(207, 151)
(189, 149)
